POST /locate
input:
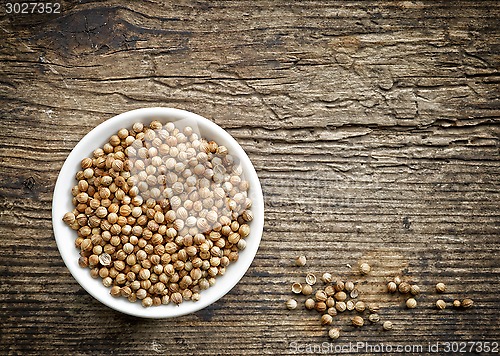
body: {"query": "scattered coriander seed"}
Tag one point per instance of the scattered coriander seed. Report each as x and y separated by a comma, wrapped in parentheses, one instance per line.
(326, 278)
(340, 306)
(349, 305)
(340, 296)
(320, 306)
(374, 318)
(311, 279)
(360, 306)
(392, 287)
(310, 304)
(404, 287)
(397, 280)
(291, 304)
(330, 302)
(440, 287)
(411, 303)
(441, 304)
(467, 303)
(329, 290)
(301, 261)
(326, 319)
(365, 268)
(307, 289)
(332, 311)
(334, 333)
(414, 289)
(457, 303)
(354, 294)
(349, 286)
(339, 286)
(387, 325)
(373, 308)
(321, 296)
(357, 321)
(297, 288)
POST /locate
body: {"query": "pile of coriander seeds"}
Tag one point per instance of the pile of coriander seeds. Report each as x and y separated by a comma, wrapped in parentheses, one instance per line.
(159, 213)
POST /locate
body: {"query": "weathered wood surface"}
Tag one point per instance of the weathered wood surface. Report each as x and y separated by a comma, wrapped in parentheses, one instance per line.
(374, 128)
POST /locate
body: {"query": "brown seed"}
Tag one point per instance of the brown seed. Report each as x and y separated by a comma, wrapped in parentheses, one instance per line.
(326, 319)
(297, 288)
(360, 306)
(307, 289)
(321, 296)
(392, 287)
(291, 304)
(330, 302)
(301, 261)
(320, 306)
(357, 321)
(387, 325)
(397, 280)
(339, 286)
(329, 290)
(411, 303)
(311, 279)
(349, 286)
(457, 303)
(310, 304)
(326, 278)
(373, 308)
(334, 333)
(414, 289)
(332, 311)
(349, 305)
(365, 268)
(467, 303)
(404, 287)
(440, 287)
(340, 306)
(441, 304)
(340, 296)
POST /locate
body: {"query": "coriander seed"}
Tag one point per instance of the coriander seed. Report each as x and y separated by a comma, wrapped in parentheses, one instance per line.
(357, 321)
(311, 279)
(297, 288)
(349, 286)
(326, 278)
(441, 304)
(320, 306)
(467, 303)
(332, 311)
(334, 333)
(397, 280)
(321, 296)
(326, 319)
(291, 304)
(415, 289)
(360, 306)
(365, 268)
(404, 287)
(309, 304)
(392, 287)
(440, 287)
(340, 296)
(387, 325)
(301, 261)
(457, 303)
(374, 318)
(340, 306)
(307, 289)
(349, 305)
(411, 303)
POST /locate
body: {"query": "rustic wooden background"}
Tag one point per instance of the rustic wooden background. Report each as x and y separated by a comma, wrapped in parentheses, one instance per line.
(373, 126)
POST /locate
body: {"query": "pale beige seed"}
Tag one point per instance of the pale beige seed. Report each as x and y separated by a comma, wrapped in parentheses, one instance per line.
(440, 287)
(334, 333)
(467, 303)
(307, 289)
(392, 287)
(348, 286)
(441, 304)
(365, 268)
(404, 287)
(357, 321)
(301, 261)
(457, 303)
(291, 304)
(326, 319)
(387, 325)
(326, 278)
(415, 289)
(374, 318)
(411, 303)
(349, 305)
(311, 279)
(309, 304)
(360, 306)
(297, 288)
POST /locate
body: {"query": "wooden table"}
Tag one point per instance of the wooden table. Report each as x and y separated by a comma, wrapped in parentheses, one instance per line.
(374, 128)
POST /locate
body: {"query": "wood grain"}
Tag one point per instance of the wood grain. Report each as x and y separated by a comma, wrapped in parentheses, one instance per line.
(373, 126)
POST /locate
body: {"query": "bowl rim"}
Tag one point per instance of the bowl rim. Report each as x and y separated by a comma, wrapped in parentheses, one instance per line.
(85, 147)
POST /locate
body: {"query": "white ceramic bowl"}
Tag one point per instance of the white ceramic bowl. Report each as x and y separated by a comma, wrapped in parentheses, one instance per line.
(65, 237)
